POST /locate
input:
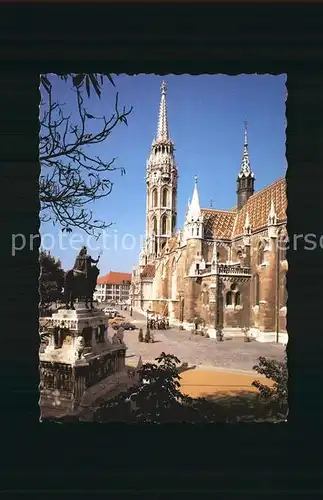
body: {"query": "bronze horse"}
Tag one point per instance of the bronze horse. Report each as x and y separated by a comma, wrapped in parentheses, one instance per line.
(78, 286)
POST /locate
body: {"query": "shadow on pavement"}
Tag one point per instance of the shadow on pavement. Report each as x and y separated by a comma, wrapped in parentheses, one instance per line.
(244, 406)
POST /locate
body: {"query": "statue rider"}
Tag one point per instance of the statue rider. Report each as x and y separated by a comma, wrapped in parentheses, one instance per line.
(83, 263)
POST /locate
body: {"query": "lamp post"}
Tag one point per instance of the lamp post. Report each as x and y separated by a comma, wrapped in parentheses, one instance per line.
(181, 315)
(218, 322)
(277, 304)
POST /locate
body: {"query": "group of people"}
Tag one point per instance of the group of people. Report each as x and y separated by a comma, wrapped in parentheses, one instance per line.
(158, 323)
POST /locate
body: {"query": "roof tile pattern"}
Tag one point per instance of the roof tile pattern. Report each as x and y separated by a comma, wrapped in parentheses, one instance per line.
(230, 223)
(218, 223)
(258, 207)
(148, 271)
(114, 278)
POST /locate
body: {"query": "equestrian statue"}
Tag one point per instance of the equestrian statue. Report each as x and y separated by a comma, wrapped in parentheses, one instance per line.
(80, 282)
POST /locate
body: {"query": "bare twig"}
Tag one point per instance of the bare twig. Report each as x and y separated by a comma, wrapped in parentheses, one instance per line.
(71, 176)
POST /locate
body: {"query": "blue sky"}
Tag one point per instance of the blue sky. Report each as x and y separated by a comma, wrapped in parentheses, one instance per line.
(205, 116)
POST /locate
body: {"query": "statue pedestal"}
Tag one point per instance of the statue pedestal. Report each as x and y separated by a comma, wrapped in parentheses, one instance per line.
(77, 358)
(76, 319)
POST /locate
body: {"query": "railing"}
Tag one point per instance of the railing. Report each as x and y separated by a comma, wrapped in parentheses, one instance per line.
(204, 271)
(227, 269)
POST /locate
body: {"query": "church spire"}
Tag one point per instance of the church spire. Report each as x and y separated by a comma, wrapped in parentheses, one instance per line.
(272, 221)
(193, 225)
(246, 178)
(245, 169)
(247, 225)
(162, 128)
(194, 210)
(161, 185)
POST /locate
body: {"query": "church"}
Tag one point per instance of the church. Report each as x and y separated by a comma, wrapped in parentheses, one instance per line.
(224, 268)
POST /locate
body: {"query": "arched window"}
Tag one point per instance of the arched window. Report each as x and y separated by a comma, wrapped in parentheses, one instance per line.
(260, 253)
(239, 255)
(155, 225)
(228, 298)
(155, 198)
(165, 197)
(256, 292)
(164, 225)
(238, 299)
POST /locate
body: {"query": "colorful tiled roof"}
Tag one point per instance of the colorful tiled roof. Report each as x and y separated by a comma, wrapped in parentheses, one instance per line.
(218, 223)
(148, 271)
(258, 207)
(229, 223)
(114, 278)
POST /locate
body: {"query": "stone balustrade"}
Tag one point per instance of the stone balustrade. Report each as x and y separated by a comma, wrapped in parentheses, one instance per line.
(225, 269)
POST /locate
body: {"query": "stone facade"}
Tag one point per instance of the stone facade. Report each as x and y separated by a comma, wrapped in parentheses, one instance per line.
(226, 268)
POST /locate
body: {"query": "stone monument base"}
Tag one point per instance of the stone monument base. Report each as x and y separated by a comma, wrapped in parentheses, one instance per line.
(55, 406)
(69, 368)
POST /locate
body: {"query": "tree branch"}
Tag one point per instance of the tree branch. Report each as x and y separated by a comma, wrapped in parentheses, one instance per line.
(71, 177)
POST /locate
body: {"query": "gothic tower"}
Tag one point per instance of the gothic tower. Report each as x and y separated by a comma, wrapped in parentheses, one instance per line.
(246, 178)
(161, 182)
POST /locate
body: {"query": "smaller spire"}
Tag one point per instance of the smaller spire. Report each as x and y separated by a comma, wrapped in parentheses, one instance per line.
(272, 217)
(272, 212)
(215, 255)
(247, 225)
(245, 170)
(194, 210)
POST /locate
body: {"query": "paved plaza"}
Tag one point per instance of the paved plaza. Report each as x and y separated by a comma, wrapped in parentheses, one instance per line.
(231, 354)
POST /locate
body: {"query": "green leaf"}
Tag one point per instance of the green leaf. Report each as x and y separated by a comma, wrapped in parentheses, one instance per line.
(46, 83)
(95, 84)
(110, 78)
(78, 79)
(87, 83)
